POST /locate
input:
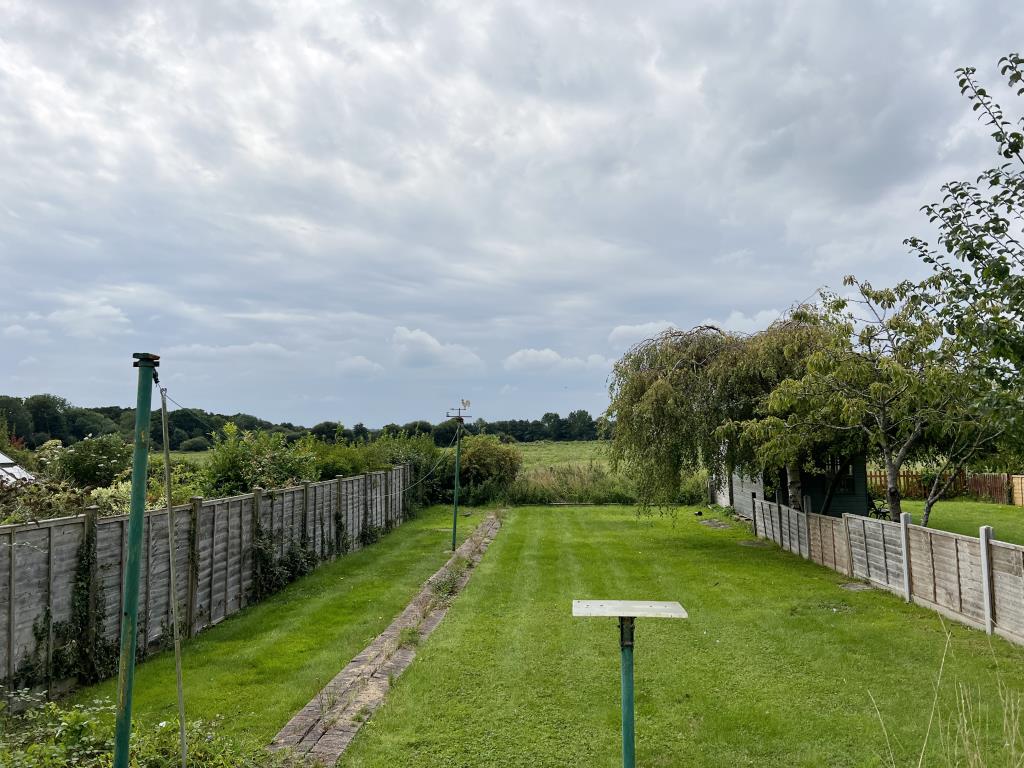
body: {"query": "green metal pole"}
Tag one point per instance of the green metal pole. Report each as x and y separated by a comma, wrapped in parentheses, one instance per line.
(458, 457)
(628, 733)
(146, 363)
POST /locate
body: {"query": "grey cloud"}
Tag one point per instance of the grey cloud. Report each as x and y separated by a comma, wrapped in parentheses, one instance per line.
(419, 193)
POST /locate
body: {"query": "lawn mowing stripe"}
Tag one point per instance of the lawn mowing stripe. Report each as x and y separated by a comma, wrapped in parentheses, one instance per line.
(260, 666)
(324, 728)
(764, 673)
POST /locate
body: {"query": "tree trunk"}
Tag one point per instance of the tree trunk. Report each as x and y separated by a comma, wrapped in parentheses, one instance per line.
(928, 504)
(892, 491)
(795, 488)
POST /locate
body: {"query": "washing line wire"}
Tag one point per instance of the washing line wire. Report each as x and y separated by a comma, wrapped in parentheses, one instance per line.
(172, 573)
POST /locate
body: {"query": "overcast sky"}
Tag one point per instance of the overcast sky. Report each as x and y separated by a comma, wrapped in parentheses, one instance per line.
(364, 211)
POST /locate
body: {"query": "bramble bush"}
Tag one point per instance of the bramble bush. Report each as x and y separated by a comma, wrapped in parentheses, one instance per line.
(94, 462)
(241, 460)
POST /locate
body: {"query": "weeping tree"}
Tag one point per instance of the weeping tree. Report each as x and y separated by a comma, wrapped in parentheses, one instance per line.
(687, 400)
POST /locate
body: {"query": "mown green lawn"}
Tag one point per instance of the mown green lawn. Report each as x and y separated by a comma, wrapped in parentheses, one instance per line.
(258, 668)
(776, 665)
(550, 454)
(961, 516)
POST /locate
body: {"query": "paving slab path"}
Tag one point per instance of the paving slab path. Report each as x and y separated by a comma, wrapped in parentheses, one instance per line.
(323, 729)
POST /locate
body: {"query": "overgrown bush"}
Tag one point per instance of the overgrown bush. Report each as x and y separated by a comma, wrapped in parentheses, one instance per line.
(41, 500)
(187, 480)
(82, 735)
(425, 459)
(14, 447)
(693, 488)
(194, 444)
(271, 573)
(94, 462)
(243, 460)
(334, 459)
(488, 468)
(486, 459)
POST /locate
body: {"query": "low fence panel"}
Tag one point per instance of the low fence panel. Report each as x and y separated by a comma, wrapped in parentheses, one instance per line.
(946, 572)
(876, 552)
(1008, 589)
(828, 544)
(785, 526)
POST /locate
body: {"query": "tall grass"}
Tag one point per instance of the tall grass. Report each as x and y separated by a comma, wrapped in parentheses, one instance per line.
(590, 483)
(964, 737)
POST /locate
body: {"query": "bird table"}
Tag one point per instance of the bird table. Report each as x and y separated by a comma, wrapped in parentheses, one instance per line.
(626, 611)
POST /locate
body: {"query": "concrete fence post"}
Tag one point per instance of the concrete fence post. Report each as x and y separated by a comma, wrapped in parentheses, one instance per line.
(985, 536)
(908, 593)
(849, 544)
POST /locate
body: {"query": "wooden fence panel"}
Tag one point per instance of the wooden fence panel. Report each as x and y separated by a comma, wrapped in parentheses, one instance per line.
(377, 479)
(828, 545)
(32, 578)
(66, 541)
(1008, 589)
(8, 592)
(358, 508)
(797, 522)
(947, 573)
(914, 485)
(111, 533)
(922, 570)
(38, 561)
(316, 525)
(876, 551)
(990, 487)
(783, 525)
(155, 605)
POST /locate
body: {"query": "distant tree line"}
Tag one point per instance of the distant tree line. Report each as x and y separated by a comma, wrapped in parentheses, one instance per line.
(31, 421)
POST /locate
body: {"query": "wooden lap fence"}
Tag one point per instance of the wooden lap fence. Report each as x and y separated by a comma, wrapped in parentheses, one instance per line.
(48, 567)
(976, 580)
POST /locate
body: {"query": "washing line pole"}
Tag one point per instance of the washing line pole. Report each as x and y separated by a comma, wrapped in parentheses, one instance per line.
(147, 364)
(172, 574)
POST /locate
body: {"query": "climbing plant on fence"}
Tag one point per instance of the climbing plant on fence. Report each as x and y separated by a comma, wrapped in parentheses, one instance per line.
(60, 579)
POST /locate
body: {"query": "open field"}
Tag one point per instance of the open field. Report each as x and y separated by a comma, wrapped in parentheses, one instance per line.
(775, 667)
(550, 454)
(962, 516)
(196, 457)
(258, 668)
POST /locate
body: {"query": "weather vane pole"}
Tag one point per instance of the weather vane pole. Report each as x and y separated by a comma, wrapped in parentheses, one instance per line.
(459, 415)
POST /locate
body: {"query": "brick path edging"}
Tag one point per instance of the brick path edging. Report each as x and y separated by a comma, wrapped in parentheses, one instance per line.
(323, 729)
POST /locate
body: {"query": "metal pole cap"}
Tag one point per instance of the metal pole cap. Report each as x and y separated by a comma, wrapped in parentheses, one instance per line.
(145, 360)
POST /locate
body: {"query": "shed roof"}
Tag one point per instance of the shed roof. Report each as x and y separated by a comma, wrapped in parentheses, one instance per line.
(10, 472)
